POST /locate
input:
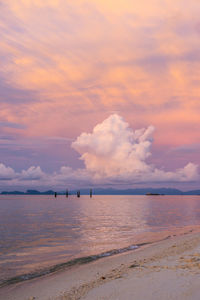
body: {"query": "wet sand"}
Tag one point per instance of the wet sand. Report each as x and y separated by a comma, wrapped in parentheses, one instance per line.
(167, 267)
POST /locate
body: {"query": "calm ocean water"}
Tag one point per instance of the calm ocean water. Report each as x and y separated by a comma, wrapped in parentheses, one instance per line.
(40, 231)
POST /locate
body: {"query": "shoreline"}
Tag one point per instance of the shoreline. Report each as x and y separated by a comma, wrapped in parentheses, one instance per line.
(82, 280)
(141, 240)
(64, 265)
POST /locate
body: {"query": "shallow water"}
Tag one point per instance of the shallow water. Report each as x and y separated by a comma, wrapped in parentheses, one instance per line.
(40, 231)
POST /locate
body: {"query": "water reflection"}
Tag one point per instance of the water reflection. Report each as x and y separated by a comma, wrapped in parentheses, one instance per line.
(40, 230)
(110, 221)
(165, 212)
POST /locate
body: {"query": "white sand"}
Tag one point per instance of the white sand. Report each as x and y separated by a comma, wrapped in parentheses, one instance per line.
(167, 269)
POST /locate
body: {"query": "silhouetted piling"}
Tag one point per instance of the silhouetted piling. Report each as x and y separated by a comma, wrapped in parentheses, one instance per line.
(78, 194)
(67, 193)
(55, 194)
(90, 193)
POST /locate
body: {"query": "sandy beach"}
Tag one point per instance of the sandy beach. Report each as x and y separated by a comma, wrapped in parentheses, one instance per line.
(166, 268)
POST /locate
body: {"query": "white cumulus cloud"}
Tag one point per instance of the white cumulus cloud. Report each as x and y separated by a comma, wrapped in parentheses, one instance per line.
(6, 172)
(32, 173)
(115, 151)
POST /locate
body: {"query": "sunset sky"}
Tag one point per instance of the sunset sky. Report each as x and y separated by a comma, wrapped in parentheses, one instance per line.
(99, 93)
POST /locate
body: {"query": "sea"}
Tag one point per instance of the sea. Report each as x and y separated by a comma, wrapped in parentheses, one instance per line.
(42, 234)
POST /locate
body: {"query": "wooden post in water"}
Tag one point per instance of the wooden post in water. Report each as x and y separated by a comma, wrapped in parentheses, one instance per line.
(78, 193)
(67, 193)
(90, 193)
(55, 194)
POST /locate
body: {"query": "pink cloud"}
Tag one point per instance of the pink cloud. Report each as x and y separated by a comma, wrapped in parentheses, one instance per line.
(66, 65)
(112, 153)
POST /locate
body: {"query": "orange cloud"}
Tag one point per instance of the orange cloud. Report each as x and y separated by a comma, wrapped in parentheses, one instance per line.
(79, 61)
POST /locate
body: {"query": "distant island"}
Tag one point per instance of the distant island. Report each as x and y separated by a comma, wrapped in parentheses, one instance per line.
(101, 191)
(154, 194)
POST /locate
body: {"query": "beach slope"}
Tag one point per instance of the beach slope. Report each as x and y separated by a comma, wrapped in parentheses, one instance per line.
(166, 269)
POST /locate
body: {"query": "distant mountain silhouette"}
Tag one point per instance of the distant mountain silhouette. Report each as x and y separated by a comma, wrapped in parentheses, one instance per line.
(100, 191)
(29, 192)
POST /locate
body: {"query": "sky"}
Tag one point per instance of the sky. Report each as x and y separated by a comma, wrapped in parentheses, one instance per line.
(99, 93)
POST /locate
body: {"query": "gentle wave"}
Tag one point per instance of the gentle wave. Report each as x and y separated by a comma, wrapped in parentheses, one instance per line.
(73, 262)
